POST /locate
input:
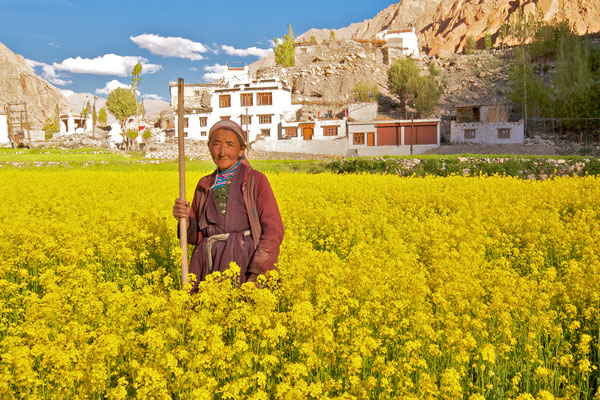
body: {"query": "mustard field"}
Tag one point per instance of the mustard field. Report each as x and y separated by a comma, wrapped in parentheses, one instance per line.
(389, 288)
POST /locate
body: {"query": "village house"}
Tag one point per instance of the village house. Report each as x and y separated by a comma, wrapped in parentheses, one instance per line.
(393, 137)
(70, 124)
(485, 124)
(399, 42)
(258, 105)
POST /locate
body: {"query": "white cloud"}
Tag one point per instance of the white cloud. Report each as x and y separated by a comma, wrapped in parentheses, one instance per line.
(214, 72)
(152, 97)
(170, 46)
(67, 92)
(110, 86)
(48, 73)
(108, 64)
(194, 69)
(250, 51)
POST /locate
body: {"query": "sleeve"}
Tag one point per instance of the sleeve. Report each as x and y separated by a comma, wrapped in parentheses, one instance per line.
(193, 232)
(272, 230)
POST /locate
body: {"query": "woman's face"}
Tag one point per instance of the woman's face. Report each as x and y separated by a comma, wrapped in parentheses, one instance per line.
(225, 149)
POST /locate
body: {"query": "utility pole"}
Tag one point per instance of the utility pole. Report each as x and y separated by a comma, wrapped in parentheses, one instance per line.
(412, 127)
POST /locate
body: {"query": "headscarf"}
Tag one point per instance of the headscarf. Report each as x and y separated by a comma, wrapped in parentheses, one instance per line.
(230, 126)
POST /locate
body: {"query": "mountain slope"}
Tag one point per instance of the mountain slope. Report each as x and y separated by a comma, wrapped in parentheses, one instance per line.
(443, 26)
(18, 83)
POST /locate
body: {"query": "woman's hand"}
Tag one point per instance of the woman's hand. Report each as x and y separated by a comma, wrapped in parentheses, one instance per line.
(181, 209)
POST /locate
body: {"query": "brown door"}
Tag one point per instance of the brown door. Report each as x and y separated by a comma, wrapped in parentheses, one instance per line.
(307, 133)
(370, 138)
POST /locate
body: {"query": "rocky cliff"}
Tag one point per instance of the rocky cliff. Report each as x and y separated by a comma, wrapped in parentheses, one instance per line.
(18, 83)
(442, 26)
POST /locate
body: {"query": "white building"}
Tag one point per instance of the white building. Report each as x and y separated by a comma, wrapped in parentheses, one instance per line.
(259, 106)
(3, 130)
(70, 124)
(400, 42)
(485, 124)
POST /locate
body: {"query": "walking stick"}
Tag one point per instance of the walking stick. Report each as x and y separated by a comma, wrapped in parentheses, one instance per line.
(182, 221)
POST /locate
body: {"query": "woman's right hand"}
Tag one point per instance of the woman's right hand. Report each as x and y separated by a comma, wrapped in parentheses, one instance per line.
(181, 209)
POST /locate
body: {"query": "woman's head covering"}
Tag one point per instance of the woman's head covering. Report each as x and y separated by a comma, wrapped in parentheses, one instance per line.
(230, 126)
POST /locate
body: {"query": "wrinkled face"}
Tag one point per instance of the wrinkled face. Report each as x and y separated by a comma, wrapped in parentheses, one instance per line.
(225, 149)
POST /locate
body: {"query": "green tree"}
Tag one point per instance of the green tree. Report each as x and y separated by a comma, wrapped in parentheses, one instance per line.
(85, 111)
(94, 119)
(427, 95)
(331, 35)
(102, 116)
(403, 78)
(285, 51)
(313, 40)
(523, 28)
(406, 82)
(52, 124)
(122, 104)
(487, 42)
(366, 91)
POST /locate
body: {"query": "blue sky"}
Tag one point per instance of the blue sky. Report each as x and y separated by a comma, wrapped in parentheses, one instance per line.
(91, 46)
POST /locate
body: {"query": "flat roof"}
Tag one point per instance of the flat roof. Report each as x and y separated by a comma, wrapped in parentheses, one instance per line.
(392, 121)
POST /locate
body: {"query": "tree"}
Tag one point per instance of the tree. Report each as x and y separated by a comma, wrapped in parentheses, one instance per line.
(331, 35)
(135, 81)
(427, 95)
(523, 27)
(313, 40)
(121, 103)
(102, 116)
(285, 51)
(94, 119)
(403, 77)
(52, 125)
(366, 91)
(420, 92)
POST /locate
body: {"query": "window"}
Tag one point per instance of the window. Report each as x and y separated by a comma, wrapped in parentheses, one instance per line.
(291, 132)
(224, 101)
(225, 117)
(203, 121)
(202, 133)
(246, 119)
(186, 122)
(330, 130)
(264, 119)
(359, 138)
(265, 132)
(504, 133)
(264, 99)
(196, 93)
(246, 99)
(469, 133)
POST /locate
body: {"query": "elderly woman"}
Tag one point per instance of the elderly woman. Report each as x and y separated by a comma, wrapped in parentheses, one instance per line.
(234, 214)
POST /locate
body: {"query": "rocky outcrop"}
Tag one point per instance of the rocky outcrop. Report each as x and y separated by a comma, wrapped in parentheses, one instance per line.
(18, 83)
(443, 25)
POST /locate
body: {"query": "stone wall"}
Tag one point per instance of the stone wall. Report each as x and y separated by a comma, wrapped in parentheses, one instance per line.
(338, 147)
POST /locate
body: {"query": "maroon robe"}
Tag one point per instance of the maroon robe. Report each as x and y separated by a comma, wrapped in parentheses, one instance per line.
(238, 248)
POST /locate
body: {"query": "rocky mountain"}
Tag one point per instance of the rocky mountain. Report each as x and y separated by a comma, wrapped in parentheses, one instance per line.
(18, 83)
(443, 26)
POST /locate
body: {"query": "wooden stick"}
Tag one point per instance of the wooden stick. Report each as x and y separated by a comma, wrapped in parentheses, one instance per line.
(182, 221)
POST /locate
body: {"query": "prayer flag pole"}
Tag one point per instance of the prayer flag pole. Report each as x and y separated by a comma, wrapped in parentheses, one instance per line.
(182, 221)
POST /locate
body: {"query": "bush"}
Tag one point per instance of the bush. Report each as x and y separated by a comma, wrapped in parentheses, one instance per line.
(470, 45)
(366, 92)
